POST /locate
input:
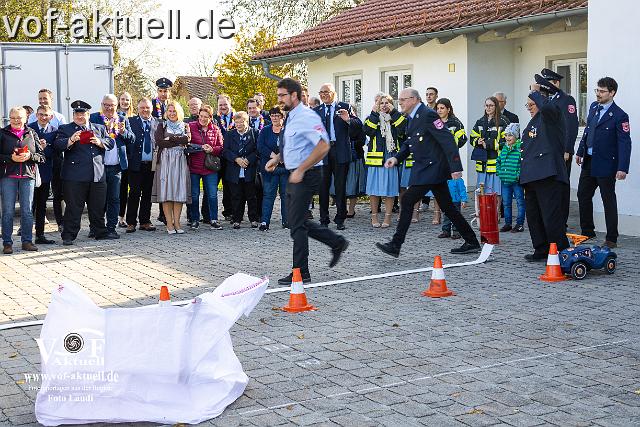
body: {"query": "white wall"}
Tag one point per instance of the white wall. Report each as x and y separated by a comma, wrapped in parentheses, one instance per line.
(429, 64)
(490, 70)
(613, 39)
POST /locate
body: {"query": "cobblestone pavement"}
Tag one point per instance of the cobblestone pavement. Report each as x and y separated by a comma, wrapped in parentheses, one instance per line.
(507, 349)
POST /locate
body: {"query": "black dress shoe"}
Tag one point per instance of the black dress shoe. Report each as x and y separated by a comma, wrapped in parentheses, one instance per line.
(337, 253)
(41, 240)
(111, 235)
(67, 242)
(466, 248)
(351, 215)
(340, 227)
(505, 228)
(534, 257)
(306, 278)
(389, 249)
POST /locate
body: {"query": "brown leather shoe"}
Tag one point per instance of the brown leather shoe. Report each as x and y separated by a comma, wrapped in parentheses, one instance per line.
(147, 227)
(28, 246)
(610, 244)
(131, 228)
(7, 250)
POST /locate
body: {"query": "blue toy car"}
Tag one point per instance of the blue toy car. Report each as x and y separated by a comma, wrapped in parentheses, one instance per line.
(578, 260)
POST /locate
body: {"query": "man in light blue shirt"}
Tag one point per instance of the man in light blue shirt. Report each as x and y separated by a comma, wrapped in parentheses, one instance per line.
(45, 99)
(303, 145)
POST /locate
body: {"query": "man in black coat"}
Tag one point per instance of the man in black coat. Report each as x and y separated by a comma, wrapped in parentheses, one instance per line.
(436, 160)
(543, 172)
(502, 103)
(342, 126)
(46, 132)
(83, 173)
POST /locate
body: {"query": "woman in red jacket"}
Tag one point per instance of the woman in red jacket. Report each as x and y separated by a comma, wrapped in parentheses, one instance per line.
(206, 133)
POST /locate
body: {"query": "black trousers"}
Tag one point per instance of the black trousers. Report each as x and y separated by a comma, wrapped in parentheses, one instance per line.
(586, 190)
(441, 193)
(56, 190)
(546, 206)
(568, 189)
(40, 196)
(244, 192)
(124, 192)
(339, 172)
(139, 201)
(298, 199)
(94, 194)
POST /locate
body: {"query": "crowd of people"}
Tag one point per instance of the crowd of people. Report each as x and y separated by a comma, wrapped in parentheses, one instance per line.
(125, 156)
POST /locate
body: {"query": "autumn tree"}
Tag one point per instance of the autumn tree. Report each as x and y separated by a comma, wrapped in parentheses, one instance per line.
(239, 79)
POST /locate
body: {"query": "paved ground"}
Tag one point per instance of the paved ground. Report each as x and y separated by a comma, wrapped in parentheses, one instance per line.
(507, 349)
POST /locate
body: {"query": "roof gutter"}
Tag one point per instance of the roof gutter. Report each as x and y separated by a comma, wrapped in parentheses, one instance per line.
(515, 22)
(267, 71)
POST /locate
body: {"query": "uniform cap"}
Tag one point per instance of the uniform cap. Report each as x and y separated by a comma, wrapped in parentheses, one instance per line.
(550, 75)
(80, 106)
(164, 83)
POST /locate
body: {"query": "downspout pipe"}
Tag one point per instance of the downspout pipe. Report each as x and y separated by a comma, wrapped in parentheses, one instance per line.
(525, 20)
(267, 71)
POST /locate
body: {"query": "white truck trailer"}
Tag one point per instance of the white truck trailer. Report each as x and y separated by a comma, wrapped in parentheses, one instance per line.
(71, 71)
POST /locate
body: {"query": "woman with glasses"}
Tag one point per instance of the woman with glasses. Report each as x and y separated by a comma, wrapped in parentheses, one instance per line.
(487, 139)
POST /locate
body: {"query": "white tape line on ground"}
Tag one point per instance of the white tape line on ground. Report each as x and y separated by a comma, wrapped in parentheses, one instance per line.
(418, 379)
(483, 257)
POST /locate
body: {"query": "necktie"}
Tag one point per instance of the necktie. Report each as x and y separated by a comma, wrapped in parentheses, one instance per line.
(253, 123)
(591, 136)
(147, 137)
(281, 141)
(328, 119)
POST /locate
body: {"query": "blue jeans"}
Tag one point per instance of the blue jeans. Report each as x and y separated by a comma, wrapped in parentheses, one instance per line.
(509, 190)
(271, 182)
(210, 183)
(9, 188)
(447, 225)
(113, 176)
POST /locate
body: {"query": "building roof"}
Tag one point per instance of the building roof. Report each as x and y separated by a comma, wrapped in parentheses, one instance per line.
(380, 20)
(195, 86)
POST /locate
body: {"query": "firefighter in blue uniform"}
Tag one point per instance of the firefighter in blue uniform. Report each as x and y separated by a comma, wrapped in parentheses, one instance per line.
(83, 173)
(604, 154)
(568, 107)
(159, 104)
(436, 160)
(543, 172)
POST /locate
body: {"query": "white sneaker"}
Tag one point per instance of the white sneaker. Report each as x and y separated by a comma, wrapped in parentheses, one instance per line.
(171, 231)
(179, 231)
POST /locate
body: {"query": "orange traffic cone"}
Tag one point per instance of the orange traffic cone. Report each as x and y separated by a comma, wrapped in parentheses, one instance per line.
(438, 284)
(165, 299)
(297, 298)
(554, 272)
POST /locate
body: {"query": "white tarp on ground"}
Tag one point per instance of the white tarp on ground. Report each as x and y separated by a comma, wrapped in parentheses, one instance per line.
(162, 364)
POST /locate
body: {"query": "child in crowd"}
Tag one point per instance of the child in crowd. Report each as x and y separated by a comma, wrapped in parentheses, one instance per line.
(508, 169)
(458, 191)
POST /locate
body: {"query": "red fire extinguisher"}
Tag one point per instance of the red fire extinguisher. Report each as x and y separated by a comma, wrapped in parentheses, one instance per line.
(488, 217)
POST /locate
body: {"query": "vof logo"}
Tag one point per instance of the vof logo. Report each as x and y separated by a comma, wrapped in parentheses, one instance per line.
(73, 343)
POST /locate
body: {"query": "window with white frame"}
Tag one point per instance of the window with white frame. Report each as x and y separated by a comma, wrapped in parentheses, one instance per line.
(394, 81)
(574, 83)
(349, 90)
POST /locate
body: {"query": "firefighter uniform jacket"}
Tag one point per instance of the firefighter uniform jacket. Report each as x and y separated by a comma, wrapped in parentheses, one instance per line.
(494, 140)
(377, 144)
(434, 150)
(567, 105)
(457, 130)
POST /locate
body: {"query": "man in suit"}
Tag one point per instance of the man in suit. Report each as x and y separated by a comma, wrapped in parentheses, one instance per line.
(543, 173)
(259, 97)
(342, 126)
(502, 103)
(115, 158)
(225, 123)
(604, 154)
(568, 107)
(436, 160)
(257, 122)
(140, 157)
(47, 135)
(83, 174)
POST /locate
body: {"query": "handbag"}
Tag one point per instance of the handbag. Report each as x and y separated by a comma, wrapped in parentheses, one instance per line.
(479, 154)
(212, 162)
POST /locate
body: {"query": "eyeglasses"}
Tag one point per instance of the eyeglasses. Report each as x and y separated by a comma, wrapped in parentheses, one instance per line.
(404, 99)
(324, 92)
(597, 91)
